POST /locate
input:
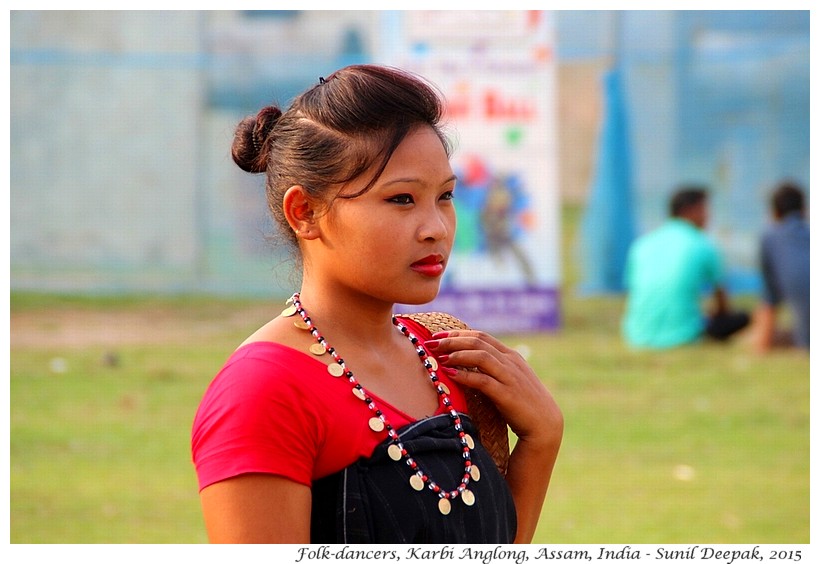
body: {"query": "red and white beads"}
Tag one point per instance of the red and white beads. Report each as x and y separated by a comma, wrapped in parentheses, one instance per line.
(378, 422)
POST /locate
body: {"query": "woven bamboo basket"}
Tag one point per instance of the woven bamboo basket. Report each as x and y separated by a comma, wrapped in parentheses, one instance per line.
(491, 425)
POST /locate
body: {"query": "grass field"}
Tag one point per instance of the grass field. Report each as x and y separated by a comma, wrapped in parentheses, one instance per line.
(705, 444)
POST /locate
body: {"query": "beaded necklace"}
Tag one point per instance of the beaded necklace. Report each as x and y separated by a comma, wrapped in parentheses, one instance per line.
(378, 421)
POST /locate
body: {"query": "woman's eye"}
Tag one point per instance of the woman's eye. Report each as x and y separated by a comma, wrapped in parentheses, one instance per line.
(448, 195)
(403, 199)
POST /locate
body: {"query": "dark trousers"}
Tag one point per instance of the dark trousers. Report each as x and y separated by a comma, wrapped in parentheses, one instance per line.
(722, 326)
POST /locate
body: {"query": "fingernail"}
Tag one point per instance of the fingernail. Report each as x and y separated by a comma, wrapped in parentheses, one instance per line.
(443, 358)
(441, 335)
(431, 345)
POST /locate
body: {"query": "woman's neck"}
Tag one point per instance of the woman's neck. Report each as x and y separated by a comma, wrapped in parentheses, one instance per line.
(349, 316)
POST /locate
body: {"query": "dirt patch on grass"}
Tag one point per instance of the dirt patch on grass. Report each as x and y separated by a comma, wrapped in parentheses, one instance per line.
(79, 327)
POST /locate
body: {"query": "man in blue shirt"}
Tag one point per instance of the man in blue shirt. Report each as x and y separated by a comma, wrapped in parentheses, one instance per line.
(784, 263)
(667, 272)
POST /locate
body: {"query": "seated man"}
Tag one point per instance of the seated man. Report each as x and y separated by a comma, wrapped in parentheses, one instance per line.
(667, 271)
(784, 263)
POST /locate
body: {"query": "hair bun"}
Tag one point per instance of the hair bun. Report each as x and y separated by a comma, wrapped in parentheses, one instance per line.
(265, 121)
(250, 145)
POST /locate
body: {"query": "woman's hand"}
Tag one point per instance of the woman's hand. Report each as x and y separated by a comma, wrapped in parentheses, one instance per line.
(501, 373)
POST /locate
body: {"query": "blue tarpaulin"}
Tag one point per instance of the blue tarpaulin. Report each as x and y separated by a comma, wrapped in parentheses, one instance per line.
(607, 228)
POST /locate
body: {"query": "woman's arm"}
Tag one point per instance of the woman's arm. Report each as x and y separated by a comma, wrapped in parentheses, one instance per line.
(257, 508)
(528, 475)
(529, 408)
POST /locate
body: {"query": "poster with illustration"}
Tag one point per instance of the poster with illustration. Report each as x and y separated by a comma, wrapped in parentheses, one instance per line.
(496, 70)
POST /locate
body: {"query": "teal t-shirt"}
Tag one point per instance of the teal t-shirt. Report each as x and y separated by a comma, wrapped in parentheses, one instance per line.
(667, 271)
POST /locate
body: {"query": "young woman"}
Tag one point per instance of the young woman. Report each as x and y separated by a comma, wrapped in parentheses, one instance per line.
(336, 422)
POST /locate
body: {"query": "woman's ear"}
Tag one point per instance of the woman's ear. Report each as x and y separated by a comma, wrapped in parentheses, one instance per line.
(300, 212)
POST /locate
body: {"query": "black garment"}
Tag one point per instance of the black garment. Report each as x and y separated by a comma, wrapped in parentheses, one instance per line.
(723, 326)
(371, 501)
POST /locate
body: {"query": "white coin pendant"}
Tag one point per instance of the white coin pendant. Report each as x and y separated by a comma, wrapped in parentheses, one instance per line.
(394, 452)
(416, 482)
(444, 506)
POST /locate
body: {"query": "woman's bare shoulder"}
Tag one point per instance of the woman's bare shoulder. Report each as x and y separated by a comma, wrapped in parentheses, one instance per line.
(280, 330)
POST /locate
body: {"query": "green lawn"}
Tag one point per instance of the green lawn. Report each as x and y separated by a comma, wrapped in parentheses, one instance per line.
(706, 444)
(698, 445)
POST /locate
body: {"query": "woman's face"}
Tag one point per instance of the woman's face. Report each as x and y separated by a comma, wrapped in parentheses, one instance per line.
(392, 243)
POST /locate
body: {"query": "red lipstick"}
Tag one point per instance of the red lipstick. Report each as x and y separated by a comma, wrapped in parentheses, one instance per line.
(432, 265)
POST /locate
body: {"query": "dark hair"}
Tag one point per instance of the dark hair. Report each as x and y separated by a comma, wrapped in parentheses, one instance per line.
(335, 131)
(787, 198)
(685, 198)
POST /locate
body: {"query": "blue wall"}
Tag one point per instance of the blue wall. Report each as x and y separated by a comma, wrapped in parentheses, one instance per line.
(717, 98)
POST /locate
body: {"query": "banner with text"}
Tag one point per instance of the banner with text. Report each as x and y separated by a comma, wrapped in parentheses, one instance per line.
(496, 70)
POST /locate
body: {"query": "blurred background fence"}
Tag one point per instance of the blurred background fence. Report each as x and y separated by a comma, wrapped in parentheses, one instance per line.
(121, 123)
